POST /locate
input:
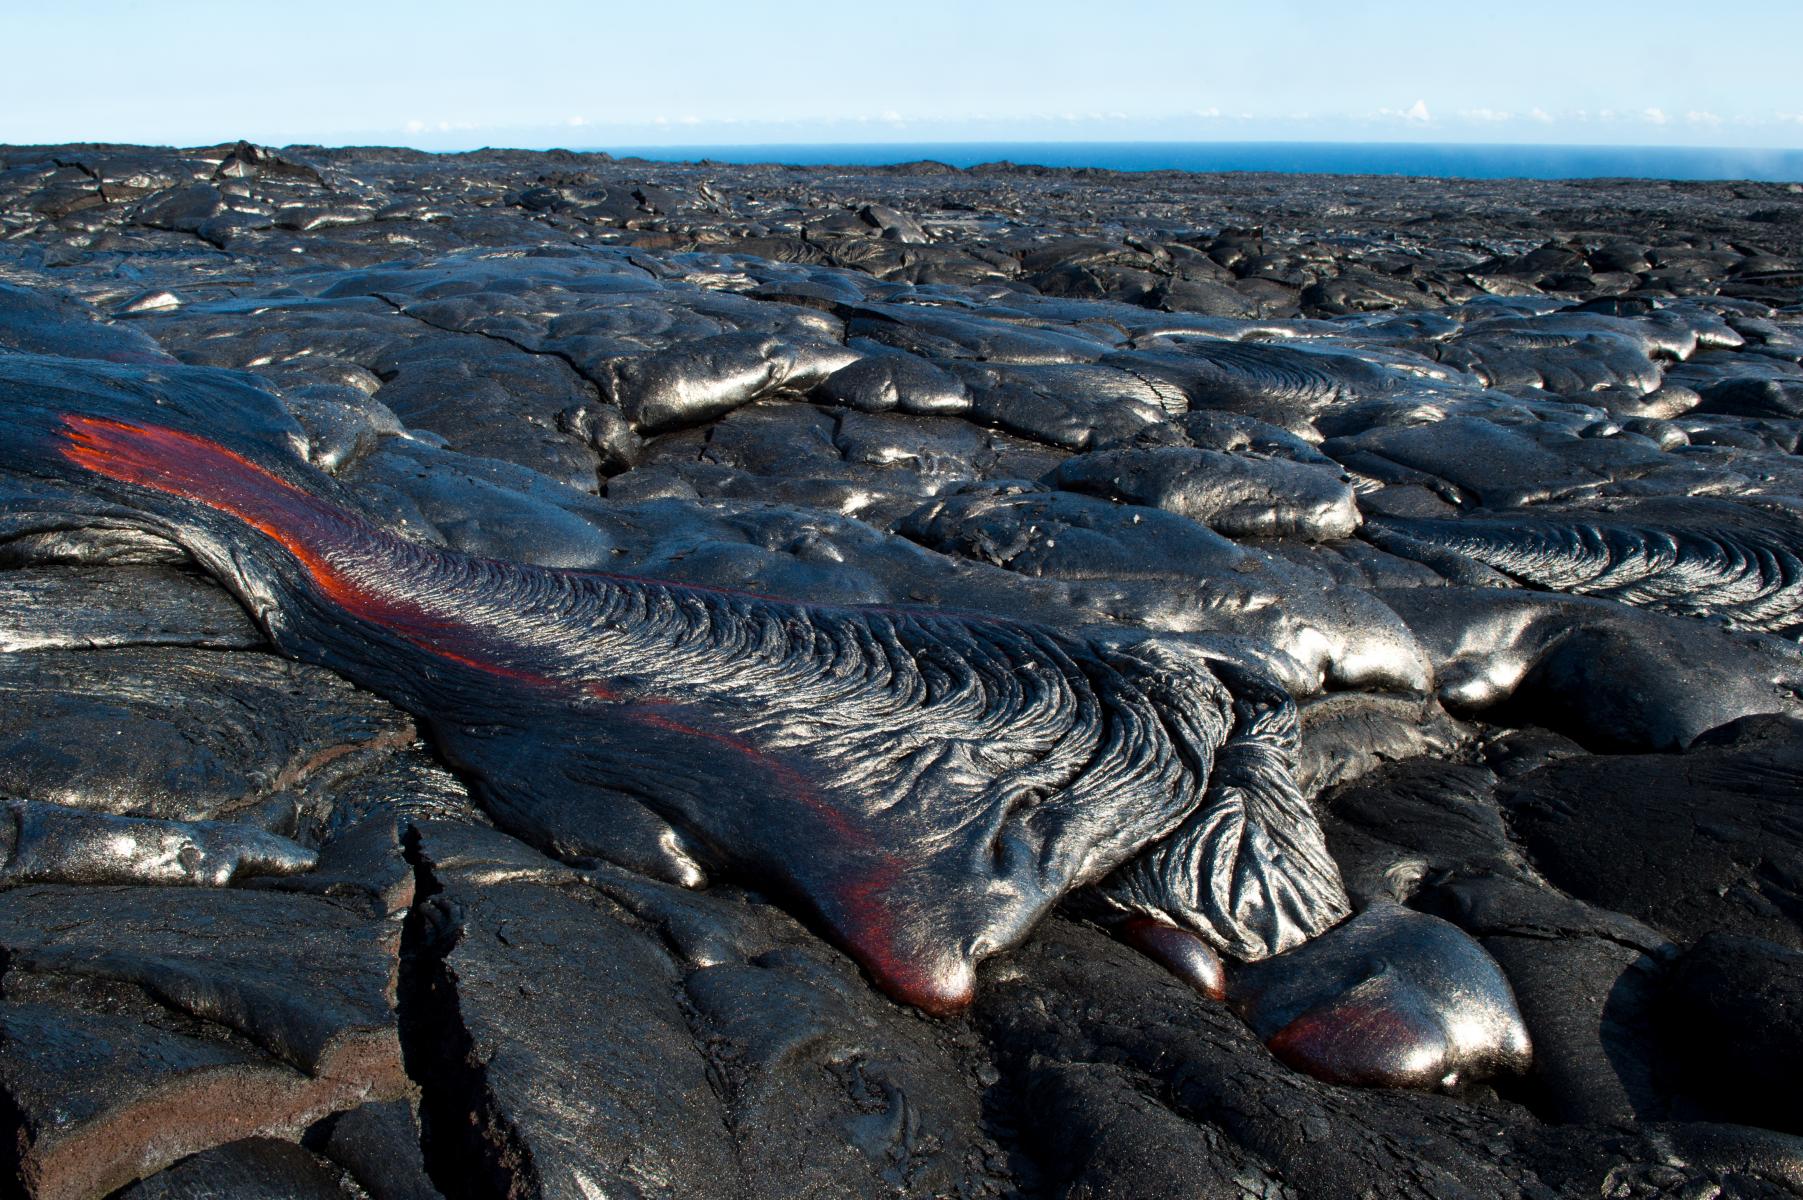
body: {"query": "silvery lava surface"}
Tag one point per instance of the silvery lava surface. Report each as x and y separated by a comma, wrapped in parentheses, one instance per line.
(526, 672)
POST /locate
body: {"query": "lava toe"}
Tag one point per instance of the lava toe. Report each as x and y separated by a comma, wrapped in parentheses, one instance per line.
(1180, 952)
(1389, 997)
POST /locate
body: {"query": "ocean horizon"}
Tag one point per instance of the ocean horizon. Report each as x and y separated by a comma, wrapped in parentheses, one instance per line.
(1429, 159)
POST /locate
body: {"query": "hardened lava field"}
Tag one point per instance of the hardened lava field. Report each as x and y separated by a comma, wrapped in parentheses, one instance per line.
(537, 675)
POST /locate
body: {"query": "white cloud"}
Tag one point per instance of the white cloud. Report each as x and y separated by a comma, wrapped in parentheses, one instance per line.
(1207, 114)
(575, 122)
(1416, 113)
(418, 126)
(1654, 116)
(1697, 117)
(1486, 114)
(1540, 115)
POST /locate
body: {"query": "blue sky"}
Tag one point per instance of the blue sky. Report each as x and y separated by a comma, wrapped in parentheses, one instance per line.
(457, 74)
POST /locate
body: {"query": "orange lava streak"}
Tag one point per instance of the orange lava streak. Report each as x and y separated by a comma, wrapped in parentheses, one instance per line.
(196, 469)
(193, 468)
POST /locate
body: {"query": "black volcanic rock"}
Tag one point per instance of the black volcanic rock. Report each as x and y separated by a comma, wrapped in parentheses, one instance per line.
(525, 673)
(1731, 1004)
(136, 1034)
(1597, 827)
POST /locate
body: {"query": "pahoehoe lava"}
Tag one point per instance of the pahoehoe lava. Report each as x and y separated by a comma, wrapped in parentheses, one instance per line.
(1741, 563)
(532, 674)
(928, 785)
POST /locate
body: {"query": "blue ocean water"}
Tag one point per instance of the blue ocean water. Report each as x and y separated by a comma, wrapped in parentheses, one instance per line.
(1320, 158)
